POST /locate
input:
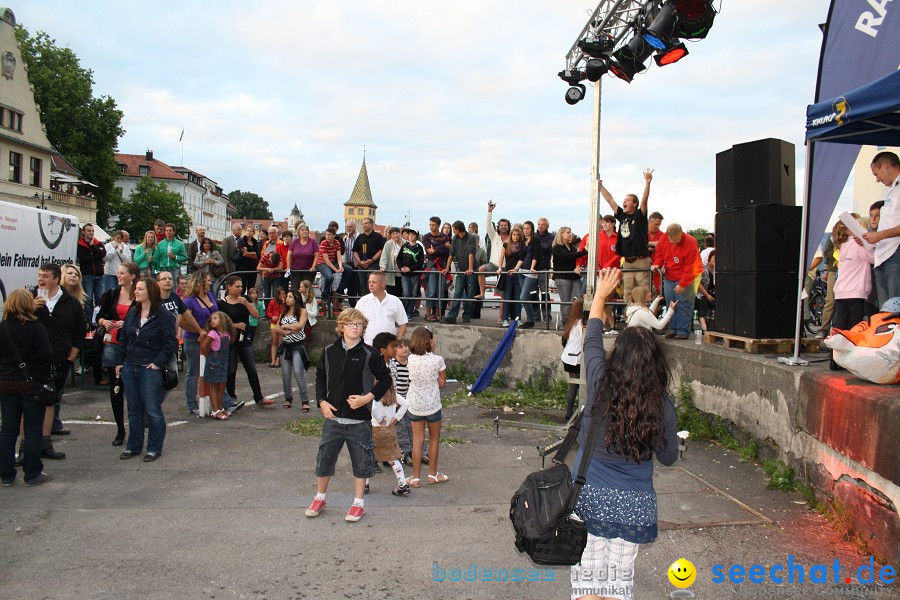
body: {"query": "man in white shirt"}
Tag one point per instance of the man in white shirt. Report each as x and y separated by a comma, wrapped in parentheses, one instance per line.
(384, 311)
(886, 169)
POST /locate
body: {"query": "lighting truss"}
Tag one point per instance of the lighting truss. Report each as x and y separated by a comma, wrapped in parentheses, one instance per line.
(615, 20)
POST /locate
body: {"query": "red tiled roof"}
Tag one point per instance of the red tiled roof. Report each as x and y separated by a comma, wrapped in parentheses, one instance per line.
(158, 169)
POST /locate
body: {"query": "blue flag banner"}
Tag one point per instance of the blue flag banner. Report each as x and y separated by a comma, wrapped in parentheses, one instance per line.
(493, 363)
(861, 45)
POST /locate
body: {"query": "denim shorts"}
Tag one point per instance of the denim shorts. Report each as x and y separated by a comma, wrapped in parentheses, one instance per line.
(359, 442)
(432, 418)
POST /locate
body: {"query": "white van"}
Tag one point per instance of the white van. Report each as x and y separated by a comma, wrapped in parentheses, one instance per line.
(30, 237)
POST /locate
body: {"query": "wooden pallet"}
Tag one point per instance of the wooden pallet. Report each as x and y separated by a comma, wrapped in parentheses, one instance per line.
(759, 346)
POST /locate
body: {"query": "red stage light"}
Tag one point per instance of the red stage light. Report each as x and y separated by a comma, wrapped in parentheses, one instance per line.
(672, 55)
(692, 9)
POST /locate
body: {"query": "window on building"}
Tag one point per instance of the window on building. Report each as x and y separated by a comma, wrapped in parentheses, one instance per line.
(35, 168)
(145, 170)
(15, 167)
(371, 212)
(122, 169)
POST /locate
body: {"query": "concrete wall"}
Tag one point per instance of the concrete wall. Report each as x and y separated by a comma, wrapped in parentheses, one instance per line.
(839, 433)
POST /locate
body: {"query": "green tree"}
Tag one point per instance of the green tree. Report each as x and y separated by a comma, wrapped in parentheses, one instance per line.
(85, 129)
(700, 235)
(249, 205)
(150, 201)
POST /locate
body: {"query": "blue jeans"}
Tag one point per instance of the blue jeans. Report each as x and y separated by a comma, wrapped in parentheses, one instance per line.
(568, 289)
(326, 282)
(192, 372)
(887, 279)
(15, 409)
(93, 289)
(435, 286)
(683, 318)
(270, 286)
(466, 287)
(111, 281)
(292, 360)
(144, 393)
(410, 291)
(512, 289)
(527, 284)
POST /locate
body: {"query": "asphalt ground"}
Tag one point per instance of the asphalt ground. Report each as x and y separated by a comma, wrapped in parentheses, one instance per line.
(220, 515)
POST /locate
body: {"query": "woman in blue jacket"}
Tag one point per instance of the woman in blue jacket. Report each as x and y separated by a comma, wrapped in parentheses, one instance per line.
(629, 393)
(146, 345)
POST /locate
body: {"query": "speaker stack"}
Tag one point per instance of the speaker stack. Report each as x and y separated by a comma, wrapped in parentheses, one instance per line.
(757, 240)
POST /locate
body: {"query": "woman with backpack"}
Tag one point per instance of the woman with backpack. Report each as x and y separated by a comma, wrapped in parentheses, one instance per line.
(628, 390)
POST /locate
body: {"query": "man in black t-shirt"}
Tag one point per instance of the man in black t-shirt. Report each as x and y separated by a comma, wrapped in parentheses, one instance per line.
(632, 242)
(366, 252)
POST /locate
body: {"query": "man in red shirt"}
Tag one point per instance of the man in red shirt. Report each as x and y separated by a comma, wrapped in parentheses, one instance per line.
(678, 255)
(654, 237)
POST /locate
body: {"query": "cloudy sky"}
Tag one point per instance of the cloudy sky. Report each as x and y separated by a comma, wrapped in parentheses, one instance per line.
(454, 103)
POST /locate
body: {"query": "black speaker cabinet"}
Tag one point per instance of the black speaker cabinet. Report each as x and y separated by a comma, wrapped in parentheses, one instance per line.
(762, 305)
(726, 262)
(764, 173)
(766, 238)
(724, 322)
(725, 180)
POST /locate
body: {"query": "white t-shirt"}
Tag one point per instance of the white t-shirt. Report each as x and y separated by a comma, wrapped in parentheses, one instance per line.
(385, 315)
(424, 394)
(890, 217)
(383, 415)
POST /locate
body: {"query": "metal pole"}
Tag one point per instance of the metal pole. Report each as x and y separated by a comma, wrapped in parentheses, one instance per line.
(595, 175)
(795, 360)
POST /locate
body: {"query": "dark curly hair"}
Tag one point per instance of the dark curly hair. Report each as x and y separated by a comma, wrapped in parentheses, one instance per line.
(632, 394)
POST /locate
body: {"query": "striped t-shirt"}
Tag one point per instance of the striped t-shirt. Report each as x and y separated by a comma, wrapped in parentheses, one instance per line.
(400, 373)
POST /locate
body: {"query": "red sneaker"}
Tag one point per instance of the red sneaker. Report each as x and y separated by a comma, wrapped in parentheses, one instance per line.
(315, 508)
(355, 513)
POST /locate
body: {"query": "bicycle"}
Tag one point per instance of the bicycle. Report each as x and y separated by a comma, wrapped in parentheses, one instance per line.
(814, 305)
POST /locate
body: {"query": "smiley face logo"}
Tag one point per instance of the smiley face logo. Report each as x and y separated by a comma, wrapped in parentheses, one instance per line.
(682, 573)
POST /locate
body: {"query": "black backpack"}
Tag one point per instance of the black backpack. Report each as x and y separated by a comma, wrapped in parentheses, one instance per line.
(543, 514)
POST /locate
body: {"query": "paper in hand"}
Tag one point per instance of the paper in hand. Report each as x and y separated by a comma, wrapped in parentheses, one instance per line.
(855, 228)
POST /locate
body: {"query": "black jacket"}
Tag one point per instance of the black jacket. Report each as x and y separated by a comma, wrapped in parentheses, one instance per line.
(343, 373)
(564, 260)
(412, 256)
(108, 302)
(153, 342)
(65, 327)
(34, 347)
(91, 257)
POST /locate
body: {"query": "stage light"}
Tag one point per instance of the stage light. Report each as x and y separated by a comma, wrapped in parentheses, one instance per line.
(572, 76)
(659, 33)
(672, 55)
(597, 47)
(595, 68)
(629, 60)
(575, 94)
(695, 18)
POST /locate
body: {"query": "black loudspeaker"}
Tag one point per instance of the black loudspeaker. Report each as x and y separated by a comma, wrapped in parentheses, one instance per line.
(764, 304)
(766, 238)
(763, 173)
(726, 262)
(725, 180)
(724, 322)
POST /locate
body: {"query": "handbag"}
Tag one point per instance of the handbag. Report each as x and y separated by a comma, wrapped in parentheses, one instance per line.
(169, 378)
(543, 510)
(42, 392)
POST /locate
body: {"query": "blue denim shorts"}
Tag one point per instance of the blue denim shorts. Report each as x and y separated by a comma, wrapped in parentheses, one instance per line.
(432, 418)
(359, 442)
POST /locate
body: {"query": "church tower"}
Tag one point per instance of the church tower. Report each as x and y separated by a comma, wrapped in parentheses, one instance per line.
(360, 204)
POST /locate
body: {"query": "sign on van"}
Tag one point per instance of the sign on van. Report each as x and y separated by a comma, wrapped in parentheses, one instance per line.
(30, 237)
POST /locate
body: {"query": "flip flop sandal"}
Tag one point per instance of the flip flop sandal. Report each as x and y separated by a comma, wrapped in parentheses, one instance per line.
(288, 402)
(413, 482)
(437, 478)
(305, 407)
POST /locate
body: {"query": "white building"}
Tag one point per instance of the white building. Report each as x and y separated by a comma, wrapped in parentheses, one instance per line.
(203, 199)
